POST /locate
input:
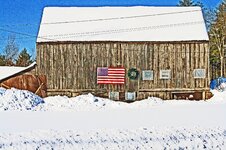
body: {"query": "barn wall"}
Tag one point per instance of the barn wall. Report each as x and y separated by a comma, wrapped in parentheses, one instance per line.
(73, 65)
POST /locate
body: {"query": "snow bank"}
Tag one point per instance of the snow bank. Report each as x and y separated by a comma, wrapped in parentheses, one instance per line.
(79, 103)
(218, 97)
(13, 99)
(90, 102)
(143, 138)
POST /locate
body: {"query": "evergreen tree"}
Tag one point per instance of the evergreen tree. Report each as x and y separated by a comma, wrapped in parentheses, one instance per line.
(2, 60)
(186, 3)
(24, 59)
(217, 35)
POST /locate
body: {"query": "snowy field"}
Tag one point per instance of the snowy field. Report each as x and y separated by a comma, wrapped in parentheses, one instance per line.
(89, 122)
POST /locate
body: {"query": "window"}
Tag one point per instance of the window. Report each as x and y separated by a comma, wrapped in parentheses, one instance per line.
(147, 75)
(131, 96)
(165, 74)
(199, 73)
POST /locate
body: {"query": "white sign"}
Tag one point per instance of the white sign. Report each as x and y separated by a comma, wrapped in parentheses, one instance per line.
(199, 73)
(165, 74)
(114, 95)
(147, 75)
(130, 96)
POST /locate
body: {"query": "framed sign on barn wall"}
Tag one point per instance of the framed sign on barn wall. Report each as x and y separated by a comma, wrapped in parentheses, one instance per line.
(147, 75)
(130, 96)
(199, 73)
(165, 74)
(114, 95)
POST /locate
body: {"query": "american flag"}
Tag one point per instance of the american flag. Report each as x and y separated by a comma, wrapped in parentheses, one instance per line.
(111, 75)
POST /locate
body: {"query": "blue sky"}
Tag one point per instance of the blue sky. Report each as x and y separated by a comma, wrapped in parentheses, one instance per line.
(23, 16)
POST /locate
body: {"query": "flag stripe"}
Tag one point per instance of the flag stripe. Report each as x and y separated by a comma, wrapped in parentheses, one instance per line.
(115, 75)
(110, 78)
(110, 82)
(116, 71)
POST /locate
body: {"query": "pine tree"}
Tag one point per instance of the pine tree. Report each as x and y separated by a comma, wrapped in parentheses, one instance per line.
(2, 60)
(24, 59)
(217, 35)
(186, 3)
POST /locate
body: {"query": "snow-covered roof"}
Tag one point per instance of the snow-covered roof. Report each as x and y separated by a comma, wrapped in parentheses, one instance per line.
(141, 23)
(8, 71)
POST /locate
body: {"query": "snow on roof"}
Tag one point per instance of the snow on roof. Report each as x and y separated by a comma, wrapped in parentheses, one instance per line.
(8, 71)
(141, 23)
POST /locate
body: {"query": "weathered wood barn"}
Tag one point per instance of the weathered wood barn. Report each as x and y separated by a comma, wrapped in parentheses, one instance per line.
(124, 52)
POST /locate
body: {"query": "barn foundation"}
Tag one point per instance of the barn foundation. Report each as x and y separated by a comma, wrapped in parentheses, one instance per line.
(200, 94)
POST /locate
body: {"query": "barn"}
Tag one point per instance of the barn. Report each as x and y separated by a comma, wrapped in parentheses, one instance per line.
(125, 53)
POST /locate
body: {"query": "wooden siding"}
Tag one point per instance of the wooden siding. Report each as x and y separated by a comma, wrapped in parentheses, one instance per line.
(73, 65)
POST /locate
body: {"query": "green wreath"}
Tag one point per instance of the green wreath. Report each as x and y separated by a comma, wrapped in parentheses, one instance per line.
(133, 73)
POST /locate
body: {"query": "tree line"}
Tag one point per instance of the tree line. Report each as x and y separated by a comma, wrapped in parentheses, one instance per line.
(11, 55)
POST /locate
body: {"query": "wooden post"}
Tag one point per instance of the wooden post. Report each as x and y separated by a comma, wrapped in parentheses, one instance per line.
(38, 88)
(3, 85)
(204, 95)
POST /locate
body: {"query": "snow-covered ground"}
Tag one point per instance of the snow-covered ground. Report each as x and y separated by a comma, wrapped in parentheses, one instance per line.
(88, 122)
(142, 138)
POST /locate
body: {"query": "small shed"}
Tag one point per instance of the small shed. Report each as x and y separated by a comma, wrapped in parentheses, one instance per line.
(125, 53)
(22, 78)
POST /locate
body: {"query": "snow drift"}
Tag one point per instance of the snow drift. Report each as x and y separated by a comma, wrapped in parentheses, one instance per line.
(14, 99)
